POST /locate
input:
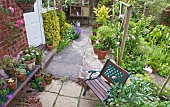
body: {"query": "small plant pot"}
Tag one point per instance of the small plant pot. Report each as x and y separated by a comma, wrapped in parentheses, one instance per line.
(38, 74)
(101, 54)
(30, 65)
(12, 85)
(95, 49)
(43, 84)
(48, 80)
(50, 48)
(21, 77)
(93, 42)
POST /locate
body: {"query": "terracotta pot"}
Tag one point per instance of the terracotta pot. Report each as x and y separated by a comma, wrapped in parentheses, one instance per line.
(48, 80)
(43, 85)
(93, 42)
(21, 77)
(50, 48)
(101, 54)
(30, 65)
(95, 49)
(10, 72)
(12, 86)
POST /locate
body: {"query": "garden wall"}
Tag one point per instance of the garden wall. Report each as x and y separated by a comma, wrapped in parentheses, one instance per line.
(11, 48)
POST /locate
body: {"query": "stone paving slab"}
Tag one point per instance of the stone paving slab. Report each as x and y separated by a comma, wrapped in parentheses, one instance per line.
(47, 88)
(71, 89)
(88, 103)
(56, 87)
(47, 98)
(63, 101)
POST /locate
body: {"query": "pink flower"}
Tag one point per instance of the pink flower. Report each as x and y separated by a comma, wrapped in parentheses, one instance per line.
(11, 9)
(3, 106)
(16, 26)
(148, 69)
(114, 77)
(19, 22)
(9, 96)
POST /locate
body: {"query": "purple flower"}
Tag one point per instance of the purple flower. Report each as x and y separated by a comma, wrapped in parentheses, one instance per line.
(3, 106)
(9, 96)
(114, 77)
(5, 86)
(11, 9)
(78, 30)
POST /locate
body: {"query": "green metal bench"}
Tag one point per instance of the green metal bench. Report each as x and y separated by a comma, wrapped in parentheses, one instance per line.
(110, 74)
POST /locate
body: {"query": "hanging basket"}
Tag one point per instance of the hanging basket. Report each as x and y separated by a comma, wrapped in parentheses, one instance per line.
(26, 7)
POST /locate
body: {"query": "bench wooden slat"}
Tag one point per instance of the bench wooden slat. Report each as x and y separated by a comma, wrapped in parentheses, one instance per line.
(99, 88)
(103, 83)
(94, 90)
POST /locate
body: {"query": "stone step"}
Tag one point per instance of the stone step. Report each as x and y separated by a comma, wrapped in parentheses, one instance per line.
(47, 55)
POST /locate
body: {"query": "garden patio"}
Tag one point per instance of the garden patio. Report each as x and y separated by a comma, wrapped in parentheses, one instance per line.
(83, 53)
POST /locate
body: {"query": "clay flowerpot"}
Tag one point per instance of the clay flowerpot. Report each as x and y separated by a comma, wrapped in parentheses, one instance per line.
(12, 83)
(50, 48)
(30, 65)
(21, 77)
(95, 49)
(43, 84)
(101, 54)
(48, 78)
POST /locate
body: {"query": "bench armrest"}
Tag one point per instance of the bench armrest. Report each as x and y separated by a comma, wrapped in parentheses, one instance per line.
(90, 77)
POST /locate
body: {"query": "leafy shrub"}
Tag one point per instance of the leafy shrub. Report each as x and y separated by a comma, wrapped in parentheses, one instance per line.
(51, 26)
(134, 94)
(70, 34)
(62, 20)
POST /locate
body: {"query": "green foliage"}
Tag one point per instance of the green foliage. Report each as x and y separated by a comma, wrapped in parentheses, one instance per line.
(134, 94)
(49, 41)
(159, 104)
(70, 34)
(62, 44)
(93, 37)
(3, 94)
(51, 26)
(62, 20)
(100, 46)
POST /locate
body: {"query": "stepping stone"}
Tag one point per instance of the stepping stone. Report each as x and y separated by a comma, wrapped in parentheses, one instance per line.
(63, 101)
(89, 95)
(56, 87)
(88, 103)
(47, 98)
(71, 89)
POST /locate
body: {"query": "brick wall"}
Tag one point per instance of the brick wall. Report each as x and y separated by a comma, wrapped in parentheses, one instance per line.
(5, 47)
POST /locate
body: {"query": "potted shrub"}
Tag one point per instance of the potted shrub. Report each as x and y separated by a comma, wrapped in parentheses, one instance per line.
(48, 78)
(9, 65)
(93, 39)
(12, 83)
(21, 73)
(49, 42)
(101, 50)
(26, 5)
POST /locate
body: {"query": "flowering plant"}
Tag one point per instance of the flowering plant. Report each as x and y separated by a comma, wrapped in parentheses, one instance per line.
(9, 62)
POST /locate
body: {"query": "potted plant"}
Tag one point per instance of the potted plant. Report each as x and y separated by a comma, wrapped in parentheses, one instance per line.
(38, 73)
(50, 44)
(21, 72)
(48, 78)
(26, 5)
(12, 83)
(93, 39)
(9, 65)
(94, 31)
(42, 85)
(101, 50)
(1, 83)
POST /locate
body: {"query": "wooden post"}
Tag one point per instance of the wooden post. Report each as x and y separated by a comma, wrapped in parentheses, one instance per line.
(163, 86)
(127, 17)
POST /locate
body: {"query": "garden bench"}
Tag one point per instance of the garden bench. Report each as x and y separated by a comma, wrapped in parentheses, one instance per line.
(20, 85)
(110, 74)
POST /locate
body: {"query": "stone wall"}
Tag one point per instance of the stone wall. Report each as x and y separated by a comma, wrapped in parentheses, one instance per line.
(7, 48)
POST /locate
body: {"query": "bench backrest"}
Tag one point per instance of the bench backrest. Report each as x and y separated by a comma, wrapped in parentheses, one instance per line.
(113, 73)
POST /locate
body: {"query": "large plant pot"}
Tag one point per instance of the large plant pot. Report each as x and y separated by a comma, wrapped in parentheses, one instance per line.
(101, 54)
(48, 80)
(26, 7)
(30, 65)
(12, 86)
(21, 77)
